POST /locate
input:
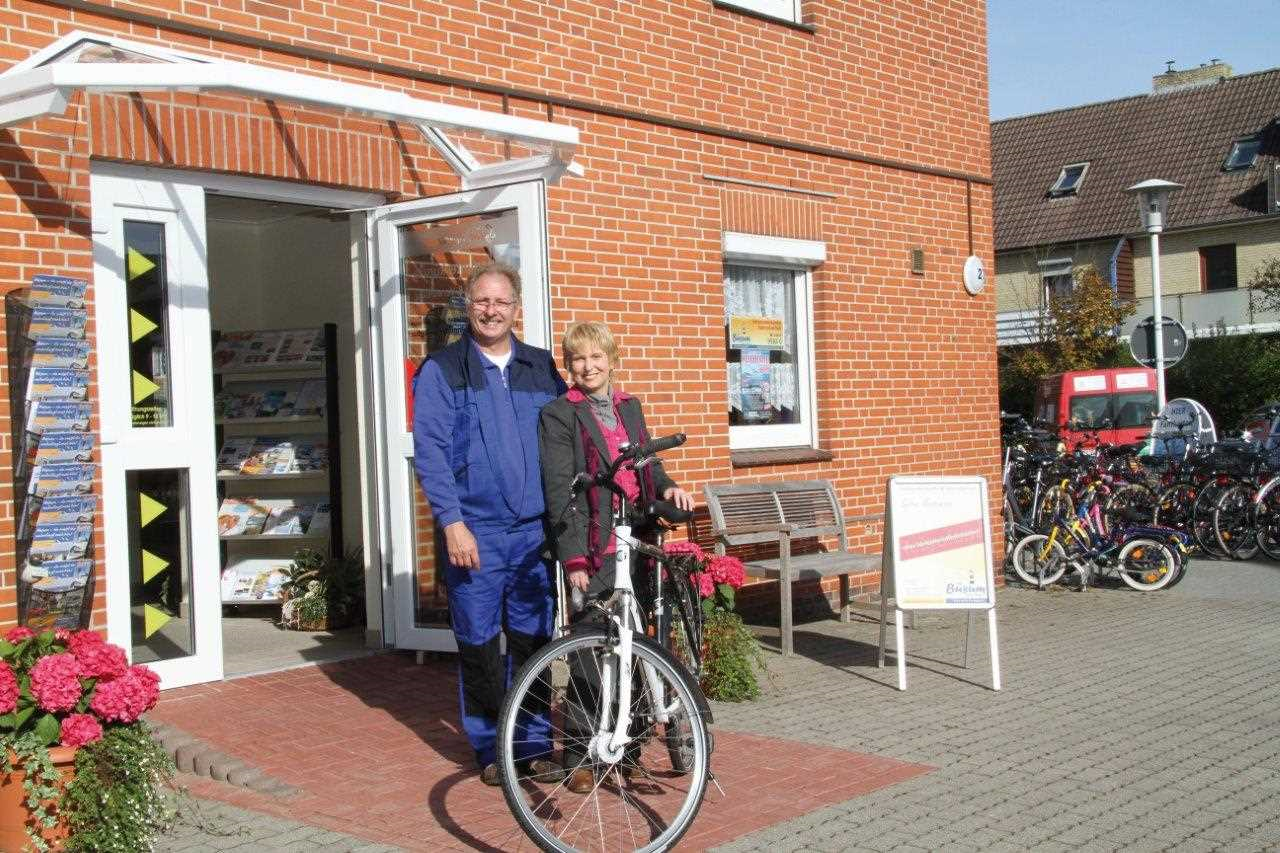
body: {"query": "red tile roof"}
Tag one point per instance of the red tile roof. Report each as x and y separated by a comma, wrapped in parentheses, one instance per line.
(1182, 136)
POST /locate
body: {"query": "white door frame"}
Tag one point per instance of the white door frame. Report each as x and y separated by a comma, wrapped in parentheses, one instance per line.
(395, 452)
(188, 444)
(176, 197)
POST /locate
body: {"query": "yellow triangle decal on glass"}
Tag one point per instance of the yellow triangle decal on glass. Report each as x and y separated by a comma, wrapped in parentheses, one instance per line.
(139, 326)
(138, 264)
(152, 565)
(142, 387)
(153, 619)
(149, 508)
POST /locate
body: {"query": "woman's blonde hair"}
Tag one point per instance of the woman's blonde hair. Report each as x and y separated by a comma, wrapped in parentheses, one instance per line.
(581, 336)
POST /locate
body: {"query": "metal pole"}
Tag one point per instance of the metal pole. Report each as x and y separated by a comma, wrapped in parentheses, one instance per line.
(1157, 316)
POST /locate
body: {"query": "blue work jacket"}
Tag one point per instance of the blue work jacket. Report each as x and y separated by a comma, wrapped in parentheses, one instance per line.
(457, 451)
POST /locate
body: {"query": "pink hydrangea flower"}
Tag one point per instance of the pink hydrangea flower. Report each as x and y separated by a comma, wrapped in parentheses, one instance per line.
(125, 699)
(101, 660)
(79, 729)
(62, 635)
(684, 548)
(8, 688)
(81, 640)
(18, 633)
(55, 682)
(704, 583)
(727, 569)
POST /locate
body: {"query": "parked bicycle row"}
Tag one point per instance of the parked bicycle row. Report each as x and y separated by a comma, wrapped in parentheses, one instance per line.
(1099, 509)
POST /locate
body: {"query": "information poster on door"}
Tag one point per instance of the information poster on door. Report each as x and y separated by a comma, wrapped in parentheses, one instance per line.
(941, 543)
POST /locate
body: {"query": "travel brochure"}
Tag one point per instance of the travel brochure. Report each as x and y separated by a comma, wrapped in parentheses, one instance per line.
(54, 471)
(281, 400)
(252, 350)
(257, 456)
(254, 580)
(273, 517)
(56, 593)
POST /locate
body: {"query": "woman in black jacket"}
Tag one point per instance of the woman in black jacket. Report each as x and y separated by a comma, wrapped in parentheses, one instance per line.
(581, 431)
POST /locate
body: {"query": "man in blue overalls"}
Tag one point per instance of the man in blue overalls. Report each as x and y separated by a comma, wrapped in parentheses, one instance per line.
(475, 439)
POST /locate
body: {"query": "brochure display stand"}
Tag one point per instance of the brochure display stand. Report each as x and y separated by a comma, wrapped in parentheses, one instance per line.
(279, 481)
(53, 452)
(937, 556)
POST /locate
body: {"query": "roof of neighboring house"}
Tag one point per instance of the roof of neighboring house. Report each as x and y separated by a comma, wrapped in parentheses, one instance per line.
(1182, 136)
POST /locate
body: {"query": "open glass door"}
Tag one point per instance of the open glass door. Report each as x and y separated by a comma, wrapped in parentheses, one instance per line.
(422, 253)
(156, 409)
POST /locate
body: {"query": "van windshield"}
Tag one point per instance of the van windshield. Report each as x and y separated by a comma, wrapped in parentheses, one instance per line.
(1135, 409)
(1093, 412)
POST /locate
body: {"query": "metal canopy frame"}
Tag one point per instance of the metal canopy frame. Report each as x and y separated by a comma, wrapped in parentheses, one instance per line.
(93, 62)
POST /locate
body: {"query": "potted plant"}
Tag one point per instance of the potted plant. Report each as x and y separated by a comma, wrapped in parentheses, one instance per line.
(79, 767)
(730, 652)
(323, 592)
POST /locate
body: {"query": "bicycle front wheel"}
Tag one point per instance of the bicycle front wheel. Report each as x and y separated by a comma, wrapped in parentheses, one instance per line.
(640, 802)
(1039, 562)
(1147, 565)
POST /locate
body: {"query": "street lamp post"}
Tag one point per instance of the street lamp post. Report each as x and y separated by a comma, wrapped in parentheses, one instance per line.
(1153, 203)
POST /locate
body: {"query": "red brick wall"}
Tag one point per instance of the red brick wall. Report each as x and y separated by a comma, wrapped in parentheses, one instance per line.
(906, 375)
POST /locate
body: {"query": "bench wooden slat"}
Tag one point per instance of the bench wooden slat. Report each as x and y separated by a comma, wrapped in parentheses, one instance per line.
(811, 566)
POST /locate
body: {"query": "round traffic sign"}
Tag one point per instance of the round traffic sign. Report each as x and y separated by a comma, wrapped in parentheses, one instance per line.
(1142, 343)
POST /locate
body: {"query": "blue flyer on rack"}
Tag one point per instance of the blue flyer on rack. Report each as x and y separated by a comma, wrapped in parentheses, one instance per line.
(61, 352)
(58, 383)
(59, 542)
(67, 509)
(63, 478)
(57, 593)
(57, 323)
(49, 415)
(58, 290)
(65, 446)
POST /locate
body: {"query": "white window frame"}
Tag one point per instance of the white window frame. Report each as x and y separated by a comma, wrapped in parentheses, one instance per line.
(1060, 187)
(799, 257)
(1051, 269)
(782, 10)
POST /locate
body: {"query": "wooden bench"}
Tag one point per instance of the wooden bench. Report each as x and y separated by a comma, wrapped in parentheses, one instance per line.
(782, 512)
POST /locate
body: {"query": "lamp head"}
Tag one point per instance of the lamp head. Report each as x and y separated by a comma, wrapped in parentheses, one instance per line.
(1153, 202)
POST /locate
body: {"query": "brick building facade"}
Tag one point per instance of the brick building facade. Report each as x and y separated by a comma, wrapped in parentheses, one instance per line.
(860, 129)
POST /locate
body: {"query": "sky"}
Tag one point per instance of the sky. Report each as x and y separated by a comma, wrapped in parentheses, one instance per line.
(1049, 54)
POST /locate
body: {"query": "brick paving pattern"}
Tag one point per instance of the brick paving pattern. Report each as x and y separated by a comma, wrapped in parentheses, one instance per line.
(1128, 721)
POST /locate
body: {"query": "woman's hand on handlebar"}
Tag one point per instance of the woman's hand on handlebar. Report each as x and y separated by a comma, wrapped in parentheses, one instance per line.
(679, 497)
(579, 579)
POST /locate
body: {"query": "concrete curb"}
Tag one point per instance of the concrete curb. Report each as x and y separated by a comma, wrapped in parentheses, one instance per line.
(192, 755)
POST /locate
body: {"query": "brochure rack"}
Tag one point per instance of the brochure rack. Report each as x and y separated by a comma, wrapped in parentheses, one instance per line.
(279, 476)
(53, 453)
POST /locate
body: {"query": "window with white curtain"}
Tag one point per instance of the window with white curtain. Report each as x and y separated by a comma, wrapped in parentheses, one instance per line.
(768, 341)
(783, 10)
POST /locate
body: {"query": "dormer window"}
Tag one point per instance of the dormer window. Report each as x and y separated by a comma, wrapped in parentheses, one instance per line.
(1069, 180)
(1243, 153)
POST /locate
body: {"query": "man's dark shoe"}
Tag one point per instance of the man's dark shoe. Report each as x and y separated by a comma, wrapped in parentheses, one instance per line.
(581, 781)
(489, 775)
(542, 770)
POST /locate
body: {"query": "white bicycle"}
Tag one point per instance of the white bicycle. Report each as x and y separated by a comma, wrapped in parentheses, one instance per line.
(615, 701)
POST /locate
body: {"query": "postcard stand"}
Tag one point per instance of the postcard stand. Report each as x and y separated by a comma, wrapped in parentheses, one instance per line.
(277, 405)
(53, 452)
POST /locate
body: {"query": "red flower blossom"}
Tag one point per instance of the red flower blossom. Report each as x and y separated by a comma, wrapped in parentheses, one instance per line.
(727, 569)
(703, 582)
(101, 660)
(81, 640)
(685, 548)
(8, 688)
(125, 699)
(62, 635)
(79, 729)
(18, 633)
(55, 682)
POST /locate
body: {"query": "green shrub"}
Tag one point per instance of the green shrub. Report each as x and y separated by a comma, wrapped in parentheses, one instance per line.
(732, 659)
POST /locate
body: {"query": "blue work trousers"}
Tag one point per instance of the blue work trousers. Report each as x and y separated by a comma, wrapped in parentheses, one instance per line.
(511, 592)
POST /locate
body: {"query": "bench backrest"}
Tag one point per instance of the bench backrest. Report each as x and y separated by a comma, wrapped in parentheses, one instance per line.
(749, 513)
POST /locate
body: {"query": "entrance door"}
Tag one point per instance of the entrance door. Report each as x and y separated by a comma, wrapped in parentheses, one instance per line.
(151, 296)
(422, 253)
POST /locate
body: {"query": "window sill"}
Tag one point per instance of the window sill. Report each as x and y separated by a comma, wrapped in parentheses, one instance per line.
(778, 456)
(760, 16)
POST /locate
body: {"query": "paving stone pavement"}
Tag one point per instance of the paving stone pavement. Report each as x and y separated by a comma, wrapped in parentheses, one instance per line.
(1137, 721)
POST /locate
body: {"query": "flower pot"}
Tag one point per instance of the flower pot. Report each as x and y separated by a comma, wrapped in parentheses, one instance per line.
(14, 816)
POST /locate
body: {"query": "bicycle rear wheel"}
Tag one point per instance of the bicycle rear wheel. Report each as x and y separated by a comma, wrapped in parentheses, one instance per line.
(1146, 565)
(1233, 523)
(686, 643)
(640, 802)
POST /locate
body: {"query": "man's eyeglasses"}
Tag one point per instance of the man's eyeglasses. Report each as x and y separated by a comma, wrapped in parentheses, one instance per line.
(490, 304)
